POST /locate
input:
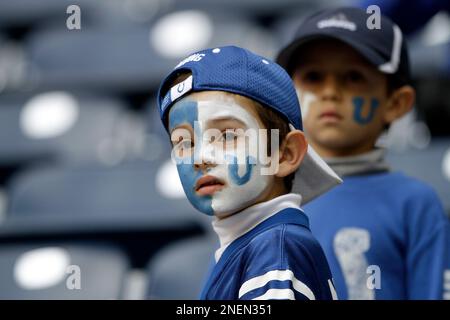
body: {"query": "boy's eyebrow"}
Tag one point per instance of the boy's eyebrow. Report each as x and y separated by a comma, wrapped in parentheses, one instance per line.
(185, 126)
(227, 118)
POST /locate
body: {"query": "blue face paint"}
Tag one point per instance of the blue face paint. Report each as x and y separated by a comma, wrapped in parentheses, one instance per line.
(183, 112)
(187, 112)
(358, 103)
(233, 171)
(189, 176)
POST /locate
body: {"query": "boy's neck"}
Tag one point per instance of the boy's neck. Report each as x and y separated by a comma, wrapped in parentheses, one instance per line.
(363, 164)
(231, 228)
(342, 152)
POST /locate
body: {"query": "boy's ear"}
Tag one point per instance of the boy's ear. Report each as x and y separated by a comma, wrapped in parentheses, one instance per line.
(292, 152)
(399, 103)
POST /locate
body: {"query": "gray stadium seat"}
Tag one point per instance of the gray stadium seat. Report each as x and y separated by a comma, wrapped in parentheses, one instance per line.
(95, 59)
(179, 270)
(426, 165)
(50, 271)
(124, 58)
(125, 196)
(98, 121)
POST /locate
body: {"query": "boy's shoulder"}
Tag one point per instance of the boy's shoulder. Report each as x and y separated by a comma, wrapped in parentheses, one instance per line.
(288, 252)
(283, 234)
(393, 182)
(284, 243)
(279, 258)
(412, 187)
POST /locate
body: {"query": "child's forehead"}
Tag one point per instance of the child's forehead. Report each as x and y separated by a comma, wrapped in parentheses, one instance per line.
(217, 102)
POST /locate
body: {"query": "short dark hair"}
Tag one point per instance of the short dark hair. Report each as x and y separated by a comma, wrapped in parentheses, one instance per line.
(273, 120)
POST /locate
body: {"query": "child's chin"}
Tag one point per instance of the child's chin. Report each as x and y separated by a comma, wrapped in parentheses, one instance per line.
(223, 215)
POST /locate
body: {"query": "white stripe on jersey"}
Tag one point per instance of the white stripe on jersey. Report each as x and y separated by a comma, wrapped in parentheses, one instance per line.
(286, 294)
(333, 290)
(278, 275)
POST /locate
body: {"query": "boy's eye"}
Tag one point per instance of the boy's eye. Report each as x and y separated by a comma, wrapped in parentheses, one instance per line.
(228, 136)
(355, 76)
(312, 76)
(185, 144)
(183, 148)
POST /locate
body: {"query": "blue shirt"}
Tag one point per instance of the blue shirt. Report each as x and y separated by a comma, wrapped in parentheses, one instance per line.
(384, 236)
(278, 259)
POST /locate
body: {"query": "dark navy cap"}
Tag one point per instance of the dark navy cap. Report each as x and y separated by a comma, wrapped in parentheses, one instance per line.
(236, 70)
(385, 47)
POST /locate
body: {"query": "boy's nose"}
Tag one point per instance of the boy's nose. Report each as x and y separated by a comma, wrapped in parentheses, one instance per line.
(331, 88)
(204, 165)
(205, 157)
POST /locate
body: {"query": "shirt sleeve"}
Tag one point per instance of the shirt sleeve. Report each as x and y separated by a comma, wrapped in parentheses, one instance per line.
(427, 247)
(446, 285)
(283, 264)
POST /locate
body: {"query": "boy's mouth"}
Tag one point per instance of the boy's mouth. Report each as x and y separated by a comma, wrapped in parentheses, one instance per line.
(330, 116)
(207, 185)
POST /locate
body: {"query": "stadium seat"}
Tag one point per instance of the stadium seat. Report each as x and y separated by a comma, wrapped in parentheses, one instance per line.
(57, 125)
(125, 196)
(179, 270)
(115, 59)
(61, 271)
(431, 165)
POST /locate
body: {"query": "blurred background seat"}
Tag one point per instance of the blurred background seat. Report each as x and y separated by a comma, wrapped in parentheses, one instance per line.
(62, 271)
(431, 164)
(57, 125)
(179, 270)
(130, 193)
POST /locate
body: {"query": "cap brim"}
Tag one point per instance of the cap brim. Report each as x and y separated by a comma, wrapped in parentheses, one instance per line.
(314, 177)
(285, 57)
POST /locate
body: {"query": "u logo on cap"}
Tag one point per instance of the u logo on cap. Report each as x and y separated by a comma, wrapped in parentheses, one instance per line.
(180, 87)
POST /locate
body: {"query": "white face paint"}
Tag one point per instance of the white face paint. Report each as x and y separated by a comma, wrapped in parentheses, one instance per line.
(305, 98)
(243, 181)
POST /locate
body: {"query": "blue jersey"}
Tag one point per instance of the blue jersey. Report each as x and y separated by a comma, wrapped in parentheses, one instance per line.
(384, 236)
(278, 259)
(446, 295)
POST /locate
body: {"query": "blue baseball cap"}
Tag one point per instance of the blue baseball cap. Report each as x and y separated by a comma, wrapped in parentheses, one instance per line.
(240, 71)
(382, 44)
(236, 70)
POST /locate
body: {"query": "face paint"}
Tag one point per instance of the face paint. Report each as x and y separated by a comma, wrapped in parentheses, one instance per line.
(186, 112)
(243, 182)
(358, 103)
(305, 98)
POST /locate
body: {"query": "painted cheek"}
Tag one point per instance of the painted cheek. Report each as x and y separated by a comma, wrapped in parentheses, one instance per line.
(306, 99)
(233, 170)
(189, 176)
(358, 104)
(187, 112)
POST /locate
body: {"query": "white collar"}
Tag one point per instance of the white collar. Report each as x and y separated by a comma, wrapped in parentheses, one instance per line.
(230, 228)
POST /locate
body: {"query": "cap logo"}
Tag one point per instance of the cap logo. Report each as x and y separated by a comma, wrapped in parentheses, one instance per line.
(337, 21)
(181, 88)
(193, 57)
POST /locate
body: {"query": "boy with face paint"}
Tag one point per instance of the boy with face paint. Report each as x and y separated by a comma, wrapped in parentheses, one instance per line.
(383, 233)
(217, 105)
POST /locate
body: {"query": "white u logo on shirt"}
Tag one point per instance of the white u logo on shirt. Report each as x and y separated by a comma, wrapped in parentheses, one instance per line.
(350, 244)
